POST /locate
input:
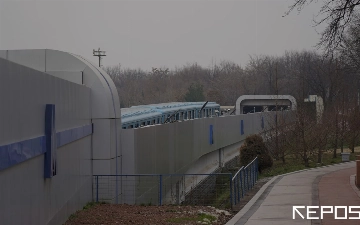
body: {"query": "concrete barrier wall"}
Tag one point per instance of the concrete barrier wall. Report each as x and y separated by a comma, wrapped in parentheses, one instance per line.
(185, 147)
(26, 197)
(175, 147)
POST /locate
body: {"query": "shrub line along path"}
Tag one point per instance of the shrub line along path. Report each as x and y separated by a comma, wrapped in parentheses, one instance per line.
(273, 204)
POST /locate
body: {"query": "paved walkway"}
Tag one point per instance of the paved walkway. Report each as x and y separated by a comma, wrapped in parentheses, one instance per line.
(273, 204)
(340, 193)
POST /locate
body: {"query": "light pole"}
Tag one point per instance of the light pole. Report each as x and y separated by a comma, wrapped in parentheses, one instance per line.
(99, 54)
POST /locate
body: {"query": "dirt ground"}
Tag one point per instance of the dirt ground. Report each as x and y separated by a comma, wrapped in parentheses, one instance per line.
(130, 214)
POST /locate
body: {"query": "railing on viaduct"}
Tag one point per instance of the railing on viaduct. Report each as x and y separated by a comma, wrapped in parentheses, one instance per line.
(223, 190)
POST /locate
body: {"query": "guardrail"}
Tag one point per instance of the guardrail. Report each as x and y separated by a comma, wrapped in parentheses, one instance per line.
(222, 190)
(244, 180)
(159, 189)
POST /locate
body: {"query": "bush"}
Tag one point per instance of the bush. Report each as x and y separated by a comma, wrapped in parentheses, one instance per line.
(252, 147)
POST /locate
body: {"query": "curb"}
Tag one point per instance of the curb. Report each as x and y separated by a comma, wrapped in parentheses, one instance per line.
(353, 185)
(246, 208)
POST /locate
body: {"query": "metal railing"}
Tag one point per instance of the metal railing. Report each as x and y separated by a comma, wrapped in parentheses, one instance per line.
(222, 190)
(244, 180)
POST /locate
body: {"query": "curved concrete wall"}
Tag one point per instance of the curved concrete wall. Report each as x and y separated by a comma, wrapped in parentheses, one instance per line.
(104, 102)
(264, 100)
(87, 128)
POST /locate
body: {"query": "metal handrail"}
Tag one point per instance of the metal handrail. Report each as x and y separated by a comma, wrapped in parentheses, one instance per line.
(237, 172)
(244, 180)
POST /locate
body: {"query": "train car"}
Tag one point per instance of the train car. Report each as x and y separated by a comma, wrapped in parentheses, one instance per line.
(144, 115)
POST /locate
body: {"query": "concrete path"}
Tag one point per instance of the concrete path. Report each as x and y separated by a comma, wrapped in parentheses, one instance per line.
(273, 204)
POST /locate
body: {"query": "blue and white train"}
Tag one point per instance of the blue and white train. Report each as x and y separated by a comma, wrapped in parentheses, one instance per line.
(144, 115)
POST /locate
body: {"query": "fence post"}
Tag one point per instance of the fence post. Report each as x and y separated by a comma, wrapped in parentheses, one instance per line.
(239, 186)
(241, 183)
(235, 191)
(160, 189)
(247, 178)
(97, 188)
(257, 168)
(251, 175)
(231, 200)
(253, 168)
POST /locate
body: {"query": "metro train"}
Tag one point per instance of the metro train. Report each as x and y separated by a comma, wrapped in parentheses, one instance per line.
(144, 115)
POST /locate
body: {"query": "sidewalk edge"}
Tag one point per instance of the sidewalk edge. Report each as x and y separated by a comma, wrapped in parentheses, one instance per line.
(246, 208)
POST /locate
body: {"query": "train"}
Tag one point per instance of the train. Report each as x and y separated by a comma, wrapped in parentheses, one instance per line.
(145, 115)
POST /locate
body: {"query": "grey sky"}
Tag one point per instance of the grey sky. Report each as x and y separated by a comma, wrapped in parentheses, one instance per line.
(145, 34)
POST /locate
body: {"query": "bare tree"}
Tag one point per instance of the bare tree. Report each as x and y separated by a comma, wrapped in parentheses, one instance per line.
(338, 14)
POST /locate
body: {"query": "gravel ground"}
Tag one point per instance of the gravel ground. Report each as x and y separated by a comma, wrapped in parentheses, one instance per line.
(130, 214)
(134, 214)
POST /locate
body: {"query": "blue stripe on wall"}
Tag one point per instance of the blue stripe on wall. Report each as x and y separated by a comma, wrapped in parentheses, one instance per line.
(211, 137)
(18, 152)
(21, 151)
(68, 136)
(242, 127)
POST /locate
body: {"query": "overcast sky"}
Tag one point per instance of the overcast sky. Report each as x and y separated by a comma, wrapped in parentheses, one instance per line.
(149, 33)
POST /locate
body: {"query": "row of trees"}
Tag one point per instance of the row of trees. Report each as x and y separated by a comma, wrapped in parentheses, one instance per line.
(335, 77)
(296, 73)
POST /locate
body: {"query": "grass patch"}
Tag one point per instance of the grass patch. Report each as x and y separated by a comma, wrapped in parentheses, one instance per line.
(89, 205)
(72, 216)
(292, 164)
(201, 217)
(221, 197)
(86, 207)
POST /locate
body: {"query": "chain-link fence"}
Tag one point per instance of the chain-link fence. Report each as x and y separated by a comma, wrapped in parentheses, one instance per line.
(222, 190)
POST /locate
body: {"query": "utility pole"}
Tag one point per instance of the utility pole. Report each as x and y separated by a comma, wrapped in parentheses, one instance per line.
(276, 116)
(99, 54)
